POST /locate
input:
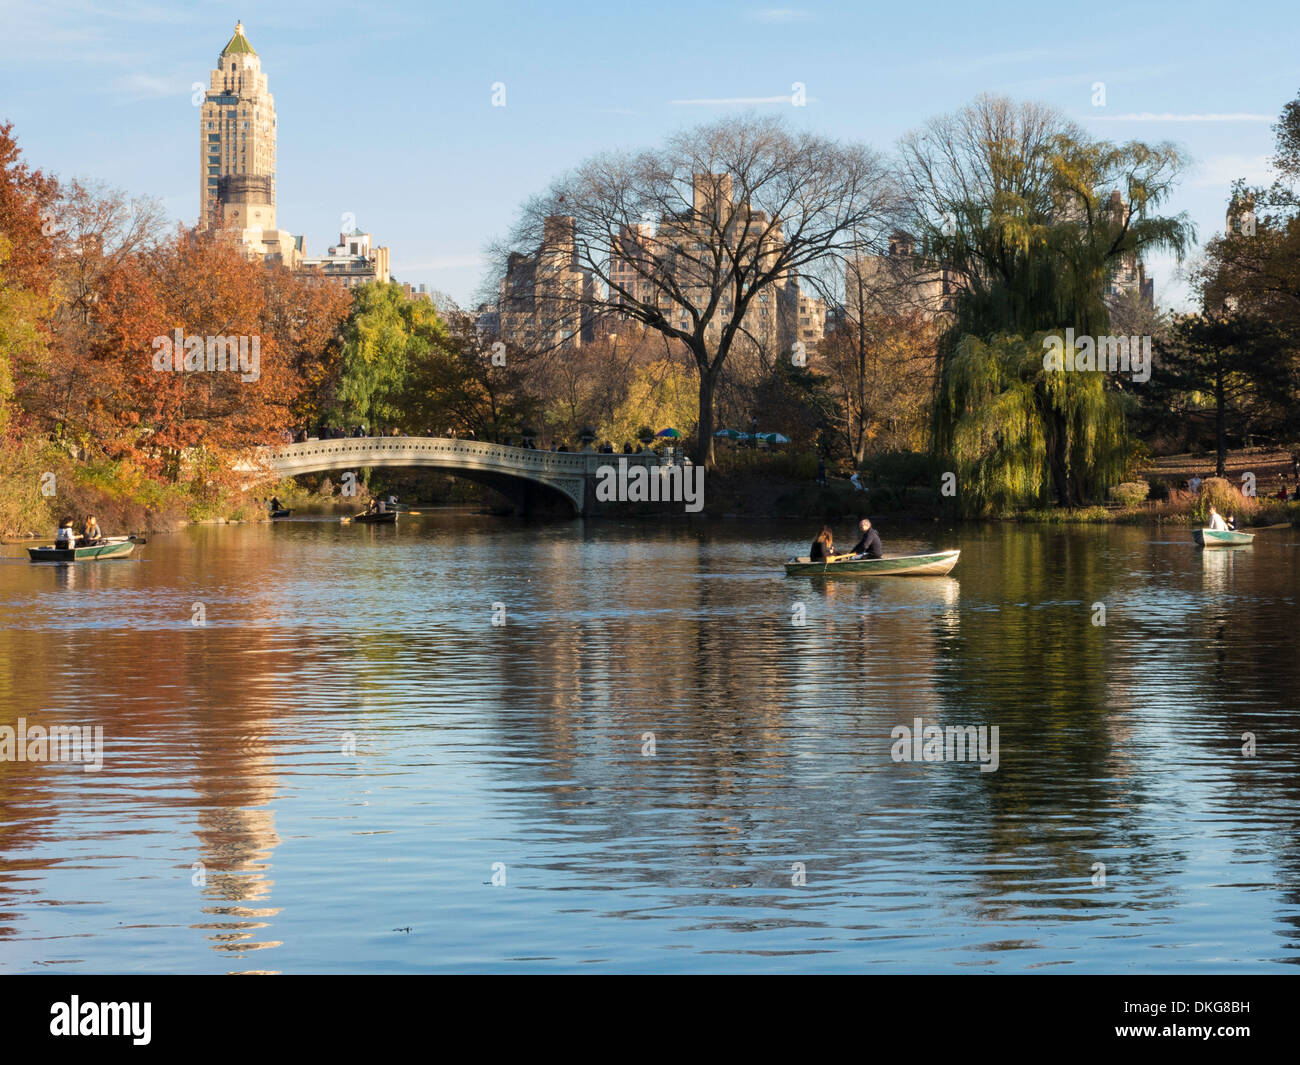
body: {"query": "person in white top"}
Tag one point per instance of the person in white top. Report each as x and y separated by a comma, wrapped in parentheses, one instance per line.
(1216, 520)
(1194, 484)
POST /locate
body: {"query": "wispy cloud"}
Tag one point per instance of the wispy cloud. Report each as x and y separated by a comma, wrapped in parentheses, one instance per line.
(732, 101)
(780, 14)
(973, 63)
(1170, 116)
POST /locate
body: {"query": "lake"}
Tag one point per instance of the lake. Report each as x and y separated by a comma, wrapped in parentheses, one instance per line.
(469, 744)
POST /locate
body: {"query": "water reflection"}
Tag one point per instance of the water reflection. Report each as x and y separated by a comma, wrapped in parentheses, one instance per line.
(680, 755)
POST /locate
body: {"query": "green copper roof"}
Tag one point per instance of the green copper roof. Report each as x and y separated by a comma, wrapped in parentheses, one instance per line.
(238, 43)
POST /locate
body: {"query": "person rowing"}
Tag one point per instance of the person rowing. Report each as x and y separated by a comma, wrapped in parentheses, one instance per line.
(1216, 521)
(276, 504)
(91, 534)
(66, 537)
(869, 546)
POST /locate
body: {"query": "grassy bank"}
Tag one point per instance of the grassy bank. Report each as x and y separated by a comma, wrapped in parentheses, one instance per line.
(40, 484)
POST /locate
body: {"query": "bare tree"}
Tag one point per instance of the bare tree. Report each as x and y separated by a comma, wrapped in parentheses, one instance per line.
(699, 240)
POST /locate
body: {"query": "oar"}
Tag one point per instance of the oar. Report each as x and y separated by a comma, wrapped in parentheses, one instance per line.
(1266, 528)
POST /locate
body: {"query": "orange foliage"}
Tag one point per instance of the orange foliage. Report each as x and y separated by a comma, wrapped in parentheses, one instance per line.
(195, 288)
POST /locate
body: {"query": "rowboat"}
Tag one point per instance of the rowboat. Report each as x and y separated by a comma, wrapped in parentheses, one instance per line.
(935, 565)
(1221, 537)
(117, 547)
(283, 512)
(378, 519)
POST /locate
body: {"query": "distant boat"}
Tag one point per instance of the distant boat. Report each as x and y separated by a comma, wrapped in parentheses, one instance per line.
(387, 518)
(117, 547)
(935, 565)
(283, 512)
(1221, 537)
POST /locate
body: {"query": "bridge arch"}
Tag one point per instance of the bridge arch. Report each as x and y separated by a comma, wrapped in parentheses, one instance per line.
(516, 471)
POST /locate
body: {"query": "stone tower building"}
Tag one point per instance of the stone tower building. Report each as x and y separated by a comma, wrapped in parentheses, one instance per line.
(237, 142)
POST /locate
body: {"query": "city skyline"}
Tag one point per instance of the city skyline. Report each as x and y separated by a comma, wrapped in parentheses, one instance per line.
(386, 118)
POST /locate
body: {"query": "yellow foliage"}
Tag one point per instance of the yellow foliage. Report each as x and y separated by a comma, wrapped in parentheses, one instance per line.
(662, 394)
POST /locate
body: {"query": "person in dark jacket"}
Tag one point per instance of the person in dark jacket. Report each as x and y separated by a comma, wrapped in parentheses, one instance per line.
(822, 548)
(870, 544)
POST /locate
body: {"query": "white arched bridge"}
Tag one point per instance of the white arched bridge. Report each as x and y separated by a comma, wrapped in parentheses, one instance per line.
(531, 479)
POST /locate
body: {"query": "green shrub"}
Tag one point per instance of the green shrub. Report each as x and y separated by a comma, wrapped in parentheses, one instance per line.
(1130, 493)
(1225, 497)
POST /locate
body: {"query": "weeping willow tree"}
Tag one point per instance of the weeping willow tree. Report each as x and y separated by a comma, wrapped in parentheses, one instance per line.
(1012, 421)
(1029, 221)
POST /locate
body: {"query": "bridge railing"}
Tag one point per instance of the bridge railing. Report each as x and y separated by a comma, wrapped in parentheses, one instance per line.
(451, 451)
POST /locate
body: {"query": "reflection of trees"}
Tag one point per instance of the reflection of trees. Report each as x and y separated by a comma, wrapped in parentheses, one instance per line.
(746, 708)
(33, 682)
(1030, 660)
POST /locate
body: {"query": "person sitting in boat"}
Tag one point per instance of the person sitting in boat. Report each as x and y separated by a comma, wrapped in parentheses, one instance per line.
(65, 537)
(92, 533)
(1232, 522)
(869, 546)
(275, 503)
(1216, 521)
(822, 548)
(374, 507)
(392, 502)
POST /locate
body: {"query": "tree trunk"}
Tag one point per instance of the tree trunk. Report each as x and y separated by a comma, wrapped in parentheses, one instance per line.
(704, 431)
(1057, 460)
(1220, 431)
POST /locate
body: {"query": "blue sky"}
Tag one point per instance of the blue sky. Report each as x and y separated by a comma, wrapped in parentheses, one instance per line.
(385, 108)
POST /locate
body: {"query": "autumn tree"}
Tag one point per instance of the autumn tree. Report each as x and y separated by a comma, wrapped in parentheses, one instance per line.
(698, 239)
(464, 385)
(882, 365)
(27, 227)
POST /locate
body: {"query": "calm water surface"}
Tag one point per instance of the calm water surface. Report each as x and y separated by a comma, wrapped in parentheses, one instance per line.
(324, 776)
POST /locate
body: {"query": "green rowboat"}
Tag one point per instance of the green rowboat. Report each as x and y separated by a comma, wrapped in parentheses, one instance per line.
(118, 547)
(1221, 537)
(387, 518)
(935, 565)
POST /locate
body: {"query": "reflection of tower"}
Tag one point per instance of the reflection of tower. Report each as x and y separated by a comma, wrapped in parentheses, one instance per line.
(236, 833)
